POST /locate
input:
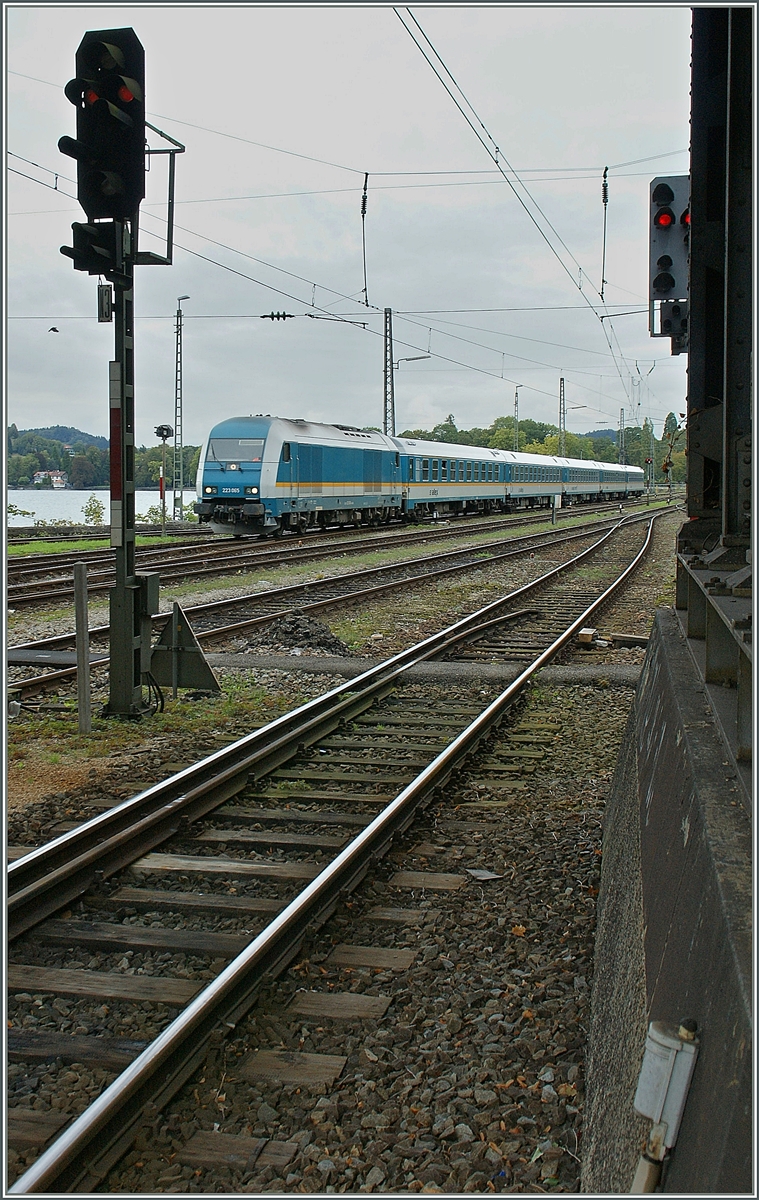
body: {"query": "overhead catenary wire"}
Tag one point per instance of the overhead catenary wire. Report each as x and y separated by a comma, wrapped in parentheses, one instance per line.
(345, 319)
(495, 155)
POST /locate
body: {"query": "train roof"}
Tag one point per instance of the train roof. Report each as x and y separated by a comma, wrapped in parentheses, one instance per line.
(418, 446)
(298, 427)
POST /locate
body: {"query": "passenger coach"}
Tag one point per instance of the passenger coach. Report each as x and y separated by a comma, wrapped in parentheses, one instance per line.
(267, 474)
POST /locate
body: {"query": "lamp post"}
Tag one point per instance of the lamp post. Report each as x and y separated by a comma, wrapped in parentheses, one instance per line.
(164, 432)
(178, 473)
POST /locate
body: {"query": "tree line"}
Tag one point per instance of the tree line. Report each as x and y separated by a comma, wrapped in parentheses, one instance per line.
(87, 465)
(538, 437)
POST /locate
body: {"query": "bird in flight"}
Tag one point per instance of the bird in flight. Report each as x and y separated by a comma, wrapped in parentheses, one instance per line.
(52, 329)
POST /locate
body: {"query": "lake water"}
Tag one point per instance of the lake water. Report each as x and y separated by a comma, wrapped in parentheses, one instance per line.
(65, 505)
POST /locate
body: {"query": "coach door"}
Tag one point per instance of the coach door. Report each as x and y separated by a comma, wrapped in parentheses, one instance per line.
(287, 475)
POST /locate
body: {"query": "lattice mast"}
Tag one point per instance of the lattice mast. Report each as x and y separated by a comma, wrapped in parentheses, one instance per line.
(178, 474)
(562, 420)
(388, 419)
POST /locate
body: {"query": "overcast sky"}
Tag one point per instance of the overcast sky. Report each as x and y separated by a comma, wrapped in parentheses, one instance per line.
(282, 110)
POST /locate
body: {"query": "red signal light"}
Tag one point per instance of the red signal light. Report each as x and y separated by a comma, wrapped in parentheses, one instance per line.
(91, 96)
(664, 218)
(685, 218)
(125, 94)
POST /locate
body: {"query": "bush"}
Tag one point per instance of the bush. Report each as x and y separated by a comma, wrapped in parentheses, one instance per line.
(94, 511)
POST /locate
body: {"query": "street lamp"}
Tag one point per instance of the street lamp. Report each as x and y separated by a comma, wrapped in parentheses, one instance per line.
(164, 432)
(415, 358)
(178, 474)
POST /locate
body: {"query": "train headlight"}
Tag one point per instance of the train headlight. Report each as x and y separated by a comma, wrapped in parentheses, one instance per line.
(233, 466)
(210, 491)
(251, 491)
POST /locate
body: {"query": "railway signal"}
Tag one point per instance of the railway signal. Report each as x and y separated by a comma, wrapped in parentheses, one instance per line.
(98, 249)
(108, 93)
(669, 251)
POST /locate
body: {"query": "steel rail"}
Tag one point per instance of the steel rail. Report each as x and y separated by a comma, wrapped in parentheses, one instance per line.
(43, 871)
(39, 682)
(21, 594)
(167, 1063)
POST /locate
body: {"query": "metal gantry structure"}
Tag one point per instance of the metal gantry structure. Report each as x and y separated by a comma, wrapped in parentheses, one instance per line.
(178, 473)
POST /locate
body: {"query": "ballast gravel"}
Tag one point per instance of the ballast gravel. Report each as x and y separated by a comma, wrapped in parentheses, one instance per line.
(473, 1080)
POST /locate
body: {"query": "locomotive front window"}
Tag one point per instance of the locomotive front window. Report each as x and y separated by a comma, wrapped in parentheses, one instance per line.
(236, 449)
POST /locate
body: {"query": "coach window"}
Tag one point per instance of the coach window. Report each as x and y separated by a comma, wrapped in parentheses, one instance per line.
(469, 472)
(490, 472)
(444, 470)
(435, 470)
(425, 470)
(285, 452)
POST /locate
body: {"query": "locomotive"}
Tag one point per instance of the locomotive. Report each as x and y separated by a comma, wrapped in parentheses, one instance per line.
(264, 475)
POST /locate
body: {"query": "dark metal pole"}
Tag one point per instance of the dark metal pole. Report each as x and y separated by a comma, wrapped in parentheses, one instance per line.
(125, 695)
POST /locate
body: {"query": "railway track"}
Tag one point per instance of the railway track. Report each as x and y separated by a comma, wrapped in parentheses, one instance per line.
(262, 838)
(48, 578)
(260, 608)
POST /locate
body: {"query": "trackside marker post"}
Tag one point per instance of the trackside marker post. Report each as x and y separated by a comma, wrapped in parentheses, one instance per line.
(84, 701)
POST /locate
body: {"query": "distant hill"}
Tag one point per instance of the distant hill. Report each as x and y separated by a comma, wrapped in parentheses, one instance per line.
(599, 433)
(69, 436)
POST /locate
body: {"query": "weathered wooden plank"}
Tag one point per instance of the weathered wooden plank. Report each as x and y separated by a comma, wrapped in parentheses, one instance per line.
(434, 745)
(111, 985)
(382, 755)
(371, 956)
(247, 837)
(292, 1066)
(208, 1149)
(235, 868)
(339, 777)
(402, 916)
(312, 795)
(427, 850)
(339, 1006)
(129, 937)
(27, 1127)
(131, 897)
(15, 852)
(294, 815)
(111, 1053)
(518, 753)
(436, 881)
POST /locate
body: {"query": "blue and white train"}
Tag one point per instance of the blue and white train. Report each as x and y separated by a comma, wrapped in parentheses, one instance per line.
(265, 475)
